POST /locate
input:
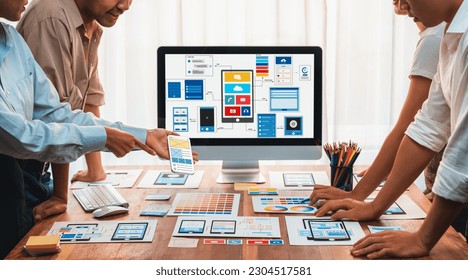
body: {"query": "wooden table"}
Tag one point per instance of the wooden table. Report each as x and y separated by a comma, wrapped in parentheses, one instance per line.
(451, 245)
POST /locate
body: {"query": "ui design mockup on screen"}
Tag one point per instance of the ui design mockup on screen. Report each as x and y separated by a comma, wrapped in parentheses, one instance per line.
(240, 95)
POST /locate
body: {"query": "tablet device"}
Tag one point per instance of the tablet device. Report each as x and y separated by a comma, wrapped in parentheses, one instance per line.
(168, 178)
(130, 231)
(223, 227)
(328, 230)
(192, 226)
(298, 179)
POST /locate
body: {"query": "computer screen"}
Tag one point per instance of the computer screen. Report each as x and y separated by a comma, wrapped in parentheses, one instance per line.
(243, 104)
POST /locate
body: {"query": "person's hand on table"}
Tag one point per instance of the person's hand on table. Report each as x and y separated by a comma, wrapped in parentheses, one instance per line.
(53, 206)
(326, 193)
(157, 140)
(89, 176)
(387, 244)
(350, 209)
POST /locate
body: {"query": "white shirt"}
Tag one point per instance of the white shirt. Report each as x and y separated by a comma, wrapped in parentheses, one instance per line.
(426, 55)
(443, 118)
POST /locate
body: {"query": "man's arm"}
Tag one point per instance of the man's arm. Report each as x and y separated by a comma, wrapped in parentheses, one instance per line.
(58, 202)
(95, 171)
(411, 159)
(380, 168)
(405, 244)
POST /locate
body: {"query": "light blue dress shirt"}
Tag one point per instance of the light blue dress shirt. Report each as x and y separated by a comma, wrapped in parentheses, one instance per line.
(33, 122)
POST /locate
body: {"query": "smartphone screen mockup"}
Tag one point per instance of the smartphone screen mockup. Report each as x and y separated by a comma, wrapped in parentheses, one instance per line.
(180, 153)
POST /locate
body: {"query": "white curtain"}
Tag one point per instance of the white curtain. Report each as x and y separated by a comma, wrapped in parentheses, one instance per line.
(367, 54)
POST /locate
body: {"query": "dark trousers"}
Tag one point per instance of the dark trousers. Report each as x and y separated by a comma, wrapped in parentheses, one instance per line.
(13, 210)
(25, 185)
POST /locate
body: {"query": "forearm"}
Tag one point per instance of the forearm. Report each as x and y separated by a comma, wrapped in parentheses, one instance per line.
(410, 161)
(60, 174)
(381, 166)
(442, 213)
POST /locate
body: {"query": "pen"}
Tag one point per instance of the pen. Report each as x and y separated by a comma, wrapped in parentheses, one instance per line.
(305, 201)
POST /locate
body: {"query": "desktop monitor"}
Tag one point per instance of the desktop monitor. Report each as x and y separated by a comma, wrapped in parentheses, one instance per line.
(243, 104)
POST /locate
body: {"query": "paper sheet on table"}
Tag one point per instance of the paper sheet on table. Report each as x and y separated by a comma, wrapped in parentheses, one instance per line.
(277, 180)
(119, 231)
(181, 242)
(411, 209)
(298, 232)
(149, 179)
(118, 178)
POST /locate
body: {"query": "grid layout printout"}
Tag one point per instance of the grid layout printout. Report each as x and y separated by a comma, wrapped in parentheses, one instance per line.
(257, 227)
(105, 231)
(225, 204)
(282, 204)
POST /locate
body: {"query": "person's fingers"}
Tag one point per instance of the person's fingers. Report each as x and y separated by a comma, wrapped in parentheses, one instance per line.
(37, 211)
(37, 218)
(320, 187)
(320, 203)
(49, 210)
(357, 244)
(313, 198)
(342, 214)
(195, 156)
(324, 209)
(362, 173)
(142, 145)
(368, 240)
(317, 195)
(383, 253)
(54, 210)
(371, 248)
(78, 176)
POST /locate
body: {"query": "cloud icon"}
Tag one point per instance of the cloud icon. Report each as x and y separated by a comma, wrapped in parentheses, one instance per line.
(238, 88)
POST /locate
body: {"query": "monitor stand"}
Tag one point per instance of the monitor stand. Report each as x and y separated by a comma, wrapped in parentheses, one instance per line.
(240, 171)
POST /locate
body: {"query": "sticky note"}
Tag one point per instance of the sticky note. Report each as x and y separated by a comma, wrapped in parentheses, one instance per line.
(243, 186)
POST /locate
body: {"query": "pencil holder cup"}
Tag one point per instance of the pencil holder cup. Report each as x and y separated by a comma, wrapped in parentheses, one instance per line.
(342, 177)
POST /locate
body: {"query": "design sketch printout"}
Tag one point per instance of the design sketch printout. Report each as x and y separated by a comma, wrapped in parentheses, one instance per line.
(104, 231)
(225, 204)
(211, 226)
(282, 204)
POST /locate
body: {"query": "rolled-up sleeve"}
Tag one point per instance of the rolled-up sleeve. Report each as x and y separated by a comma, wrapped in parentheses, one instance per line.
(452, 176)
(442, 122)
(431, 126)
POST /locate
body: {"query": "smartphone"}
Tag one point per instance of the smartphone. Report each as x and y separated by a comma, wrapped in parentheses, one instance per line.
(180, 154)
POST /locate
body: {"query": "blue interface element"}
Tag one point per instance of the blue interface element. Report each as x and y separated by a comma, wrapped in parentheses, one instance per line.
(194, 89)
(173, 90)
(284, 99)
(266, 125)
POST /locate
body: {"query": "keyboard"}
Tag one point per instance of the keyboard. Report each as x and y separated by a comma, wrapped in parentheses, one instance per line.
(98, 196)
